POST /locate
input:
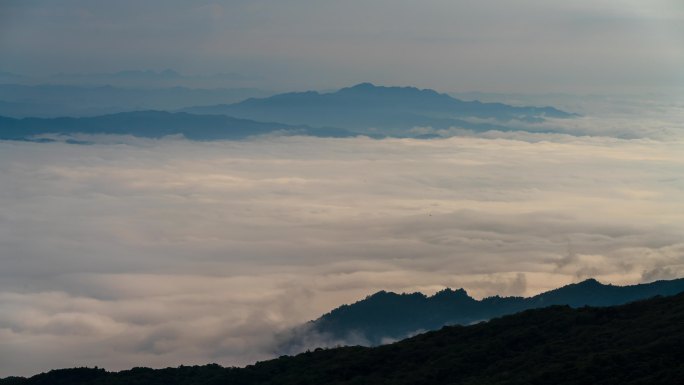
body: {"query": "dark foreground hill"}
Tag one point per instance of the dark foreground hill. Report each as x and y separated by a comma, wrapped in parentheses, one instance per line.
(638, 343)
(384, 316)
(387, 110)
(156, 124)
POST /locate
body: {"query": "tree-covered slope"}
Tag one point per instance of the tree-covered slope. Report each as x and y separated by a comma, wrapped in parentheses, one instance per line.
(638, 343)
(386, 316)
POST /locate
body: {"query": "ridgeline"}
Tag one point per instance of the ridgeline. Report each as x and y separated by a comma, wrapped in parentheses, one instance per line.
(637, 343)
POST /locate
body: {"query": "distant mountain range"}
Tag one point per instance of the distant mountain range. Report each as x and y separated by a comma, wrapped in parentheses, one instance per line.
(639, 343)
(389, 110)
(156, 124)
(385, 317)
(49, 101)
(363, 109)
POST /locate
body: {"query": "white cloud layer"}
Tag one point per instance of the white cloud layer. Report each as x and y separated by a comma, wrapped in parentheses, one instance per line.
(168, 252)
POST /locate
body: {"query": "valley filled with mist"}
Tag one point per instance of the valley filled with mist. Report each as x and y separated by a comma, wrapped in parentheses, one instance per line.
(257, 192)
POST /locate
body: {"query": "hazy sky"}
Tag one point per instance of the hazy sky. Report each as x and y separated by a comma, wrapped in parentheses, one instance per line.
(608, 46)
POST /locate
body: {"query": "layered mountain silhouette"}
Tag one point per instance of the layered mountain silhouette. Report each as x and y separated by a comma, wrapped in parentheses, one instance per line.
(389, 110)
(362, 109)
(385, 317)
(50, 101)
(638, 343)
(156, 124)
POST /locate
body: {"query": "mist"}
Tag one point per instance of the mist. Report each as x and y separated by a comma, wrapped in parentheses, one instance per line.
(140, 252)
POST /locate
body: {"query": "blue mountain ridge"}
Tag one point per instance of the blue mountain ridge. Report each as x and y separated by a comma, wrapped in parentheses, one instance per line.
(363, 109)
(386, 316)
(53, 100)
(156, 124)
(391, 110)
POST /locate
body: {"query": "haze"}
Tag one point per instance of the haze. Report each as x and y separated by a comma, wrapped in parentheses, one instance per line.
(123, 251)
(597, 46)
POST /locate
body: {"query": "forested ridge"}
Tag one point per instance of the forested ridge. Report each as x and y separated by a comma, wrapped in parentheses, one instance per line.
(387, 316)
(637, 343)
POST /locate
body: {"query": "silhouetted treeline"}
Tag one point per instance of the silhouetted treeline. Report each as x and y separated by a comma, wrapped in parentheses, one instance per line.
(638, 343)
(390, 316)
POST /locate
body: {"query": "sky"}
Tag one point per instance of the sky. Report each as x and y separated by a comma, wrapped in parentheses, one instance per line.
(583, 46)
(160, 252)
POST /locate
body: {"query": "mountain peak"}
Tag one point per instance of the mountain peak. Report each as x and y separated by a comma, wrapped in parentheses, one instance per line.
(367, 87)
(364, 85)
(590, 282)
(387, 315)
(379, 294)
(450, 294)
(386, 110)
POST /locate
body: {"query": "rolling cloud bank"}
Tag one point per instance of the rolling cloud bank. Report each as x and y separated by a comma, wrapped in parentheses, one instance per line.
(130, 252)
